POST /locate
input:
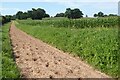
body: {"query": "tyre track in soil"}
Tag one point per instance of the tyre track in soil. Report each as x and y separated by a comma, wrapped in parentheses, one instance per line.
(37, 59)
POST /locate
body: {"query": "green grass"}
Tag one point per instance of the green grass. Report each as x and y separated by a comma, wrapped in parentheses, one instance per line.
(55, 18)
(0, 52)
(98, 46)
(119, 43)
(9, 68)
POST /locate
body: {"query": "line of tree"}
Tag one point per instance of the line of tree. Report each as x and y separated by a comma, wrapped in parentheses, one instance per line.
(101, 14)
(33, 14)
(71, 13)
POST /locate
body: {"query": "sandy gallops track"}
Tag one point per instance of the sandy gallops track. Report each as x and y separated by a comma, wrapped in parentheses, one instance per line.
(37, 59)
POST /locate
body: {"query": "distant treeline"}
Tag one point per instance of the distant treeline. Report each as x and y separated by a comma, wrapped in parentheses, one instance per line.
(101, 14)
(38, 14)
(33, 14)
(75, 12)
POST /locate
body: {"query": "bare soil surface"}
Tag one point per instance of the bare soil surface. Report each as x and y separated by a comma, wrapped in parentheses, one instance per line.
(37, 59)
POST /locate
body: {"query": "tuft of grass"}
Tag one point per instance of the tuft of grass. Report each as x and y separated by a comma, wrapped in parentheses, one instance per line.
(9, 68)
(98, 46)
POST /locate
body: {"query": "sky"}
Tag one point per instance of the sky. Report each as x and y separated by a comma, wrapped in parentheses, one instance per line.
(119, 8)
(52, 7)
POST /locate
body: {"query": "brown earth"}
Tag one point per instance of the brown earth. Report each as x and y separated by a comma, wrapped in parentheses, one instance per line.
(37, 59)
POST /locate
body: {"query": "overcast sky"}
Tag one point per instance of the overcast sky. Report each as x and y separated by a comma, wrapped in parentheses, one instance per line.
(10, 7)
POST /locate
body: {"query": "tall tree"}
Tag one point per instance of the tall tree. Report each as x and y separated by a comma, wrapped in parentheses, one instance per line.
(19, 15)
(95, 15)
(34, 14)
(73, 13)
(24, 15)
(68, 13)
(38, 13)
(101, 14)
(76, 13)
(29, 13)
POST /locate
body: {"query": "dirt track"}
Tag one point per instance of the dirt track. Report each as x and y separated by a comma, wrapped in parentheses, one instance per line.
(37, 59)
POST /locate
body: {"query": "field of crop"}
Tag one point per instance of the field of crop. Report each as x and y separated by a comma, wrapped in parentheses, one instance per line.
(9, 68)
(0, 51)
(76, 23)
(93, 40)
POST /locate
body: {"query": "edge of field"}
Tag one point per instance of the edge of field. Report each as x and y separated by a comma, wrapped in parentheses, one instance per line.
(9, 67)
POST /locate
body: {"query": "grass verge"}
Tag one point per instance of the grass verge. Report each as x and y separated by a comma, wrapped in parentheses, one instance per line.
(9, 68)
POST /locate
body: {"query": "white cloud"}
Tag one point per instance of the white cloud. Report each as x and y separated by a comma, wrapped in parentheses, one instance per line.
(59, 0)
(9, 11)
(69, 4)
(84, 6)
(13, 9)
